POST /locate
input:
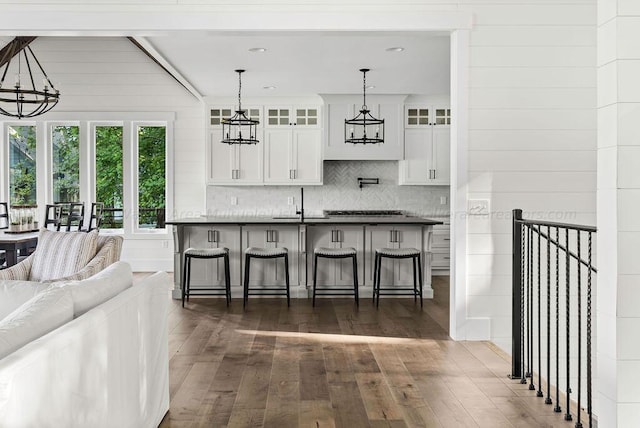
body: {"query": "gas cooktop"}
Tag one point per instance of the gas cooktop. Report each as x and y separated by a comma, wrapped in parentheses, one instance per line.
(364, 213)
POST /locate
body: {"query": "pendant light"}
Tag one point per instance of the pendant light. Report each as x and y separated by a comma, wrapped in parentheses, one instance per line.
(24, 98)
(239, 129)
(364, 128)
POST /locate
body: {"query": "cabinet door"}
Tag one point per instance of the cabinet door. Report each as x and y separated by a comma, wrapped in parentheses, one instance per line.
(250, 169)
(441, 160)
(335, 147)
(379, 237)
(278, 116)
(307, 158)
(277, 156)
(271, 272)
(406, 237)
(418, 148)
(222, 159)
(337, 272)
(205, 273)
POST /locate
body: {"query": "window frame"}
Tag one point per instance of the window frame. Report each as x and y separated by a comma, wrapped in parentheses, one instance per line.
(87, 122)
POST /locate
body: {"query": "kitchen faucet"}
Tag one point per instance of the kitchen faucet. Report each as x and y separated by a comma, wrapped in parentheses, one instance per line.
(301, 212)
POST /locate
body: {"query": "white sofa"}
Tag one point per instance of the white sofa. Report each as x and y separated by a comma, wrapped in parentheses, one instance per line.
(107, 367)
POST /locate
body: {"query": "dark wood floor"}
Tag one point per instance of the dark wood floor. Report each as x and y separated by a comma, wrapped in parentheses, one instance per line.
(336, 365)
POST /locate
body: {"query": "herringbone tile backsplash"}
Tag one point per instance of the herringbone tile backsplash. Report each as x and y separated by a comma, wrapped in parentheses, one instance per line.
(339, 191)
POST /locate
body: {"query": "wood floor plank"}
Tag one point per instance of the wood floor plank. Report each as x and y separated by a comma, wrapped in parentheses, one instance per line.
(338, 365)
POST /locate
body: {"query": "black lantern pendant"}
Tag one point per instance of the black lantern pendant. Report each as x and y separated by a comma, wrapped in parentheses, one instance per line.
(239, 129)
(364, 128)
(24, 98)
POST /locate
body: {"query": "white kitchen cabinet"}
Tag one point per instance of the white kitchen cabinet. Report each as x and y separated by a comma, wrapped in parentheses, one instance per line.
(211, 272)
(233, 164)
(338, 108)
(270, 272)
(393, 272)
(292, 155)
(336, 272)
(441, 249)
(427, 146)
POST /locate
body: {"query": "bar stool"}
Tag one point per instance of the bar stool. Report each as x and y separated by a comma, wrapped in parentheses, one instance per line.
(398, 253)
(205, 253)
(265, 253)
(335, 253)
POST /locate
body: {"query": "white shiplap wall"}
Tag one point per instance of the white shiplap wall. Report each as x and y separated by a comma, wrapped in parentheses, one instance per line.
(532, 134)
(112, 75)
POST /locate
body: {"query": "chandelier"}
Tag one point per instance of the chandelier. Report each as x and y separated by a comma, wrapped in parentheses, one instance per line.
(23, 98)
(239, 129)
(364, 128)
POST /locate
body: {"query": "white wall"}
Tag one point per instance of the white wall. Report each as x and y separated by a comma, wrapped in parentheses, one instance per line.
(618, 203)
(532, 135)
(113, 75)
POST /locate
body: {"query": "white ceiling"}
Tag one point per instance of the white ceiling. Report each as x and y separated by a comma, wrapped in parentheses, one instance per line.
(307, 63)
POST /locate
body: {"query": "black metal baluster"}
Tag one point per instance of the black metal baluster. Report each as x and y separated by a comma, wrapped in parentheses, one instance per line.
(539, 394)
(557, 407)
(578, 422)
(523, 378)
(548, 399)
(530, 312)
(589, 272)
(567, 415)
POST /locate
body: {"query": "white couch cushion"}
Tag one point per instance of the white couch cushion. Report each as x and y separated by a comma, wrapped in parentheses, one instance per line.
(99, 288)
(36, 317)
(60, 254)
(15, 293)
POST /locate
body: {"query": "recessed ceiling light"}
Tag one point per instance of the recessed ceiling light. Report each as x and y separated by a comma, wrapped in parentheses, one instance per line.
(258, 50)
(268, 87)
(395, 49)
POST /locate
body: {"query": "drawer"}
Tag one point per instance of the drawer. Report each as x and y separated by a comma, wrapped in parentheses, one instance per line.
(440, 260)
(441, 240)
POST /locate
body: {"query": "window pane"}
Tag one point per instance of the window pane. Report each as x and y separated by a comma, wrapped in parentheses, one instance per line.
(22, 165)
(66, 163)
(151, 176)
(109, 178)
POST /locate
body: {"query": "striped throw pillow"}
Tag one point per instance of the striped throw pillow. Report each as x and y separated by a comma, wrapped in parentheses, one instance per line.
(60, 254)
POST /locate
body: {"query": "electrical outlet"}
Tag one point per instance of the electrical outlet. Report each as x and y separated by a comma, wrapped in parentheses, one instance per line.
(290, 200)
(443, 200)
(234, 200)
(478, 206)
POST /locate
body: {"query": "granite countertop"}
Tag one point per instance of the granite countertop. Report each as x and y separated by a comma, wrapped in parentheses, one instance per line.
(312, 220)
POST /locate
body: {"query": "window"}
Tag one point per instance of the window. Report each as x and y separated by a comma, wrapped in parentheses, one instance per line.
(109, 175)
(65, 147)
(22, 165)
(151, 176)
(119, 159)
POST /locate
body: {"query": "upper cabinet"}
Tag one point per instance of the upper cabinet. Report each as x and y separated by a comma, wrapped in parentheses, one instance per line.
(233, 164)
(341, 107)
(293, 145)
(427, 145)
(289, 150)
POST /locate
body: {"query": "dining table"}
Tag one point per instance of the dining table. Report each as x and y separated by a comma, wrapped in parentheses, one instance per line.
(13, 243)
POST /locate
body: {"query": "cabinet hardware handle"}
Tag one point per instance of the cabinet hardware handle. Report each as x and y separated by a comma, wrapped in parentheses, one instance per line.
(391, 236)
(338, 236)
(397, 233)
(446, 258)
(216, 236)
(447, 239)
(333, 236)
(275, 236)
(434, 174)
(290, 174)
(209, 236)
(295, 173)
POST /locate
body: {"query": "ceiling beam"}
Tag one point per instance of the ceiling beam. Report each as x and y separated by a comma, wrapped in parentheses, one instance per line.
(13, 48)
(155, 56)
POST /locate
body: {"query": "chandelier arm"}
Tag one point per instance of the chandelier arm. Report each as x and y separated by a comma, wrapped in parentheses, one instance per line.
(239, 91)
(364, 90)
(26, 60)
(40, 67)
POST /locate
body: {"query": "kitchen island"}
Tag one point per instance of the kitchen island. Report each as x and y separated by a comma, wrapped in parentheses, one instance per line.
(363, 232)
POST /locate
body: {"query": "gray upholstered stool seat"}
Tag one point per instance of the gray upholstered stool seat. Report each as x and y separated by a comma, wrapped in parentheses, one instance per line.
(335, 253)
(397, 253)
(205, 253)
(265, 253)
